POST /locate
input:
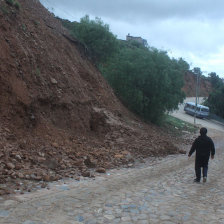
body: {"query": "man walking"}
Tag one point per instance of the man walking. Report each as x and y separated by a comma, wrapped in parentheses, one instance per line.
(204, 146)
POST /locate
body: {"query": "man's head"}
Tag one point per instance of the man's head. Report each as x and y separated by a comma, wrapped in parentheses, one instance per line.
(203, 131)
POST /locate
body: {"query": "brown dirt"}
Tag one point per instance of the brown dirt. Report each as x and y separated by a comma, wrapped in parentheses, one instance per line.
(190, 85)
(58, 116)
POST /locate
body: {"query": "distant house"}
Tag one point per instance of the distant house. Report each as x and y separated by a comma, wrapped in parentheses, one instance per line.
(137, 39)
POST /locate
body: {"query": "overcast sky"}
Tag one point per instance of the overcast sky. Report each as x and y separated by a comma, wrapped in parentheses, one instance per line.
(191, 29)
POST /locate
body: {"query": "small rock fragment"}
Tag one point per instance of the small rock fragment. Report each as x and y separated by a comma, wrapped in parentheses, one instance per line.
(54, 81)
(101, 170)
(10, 166)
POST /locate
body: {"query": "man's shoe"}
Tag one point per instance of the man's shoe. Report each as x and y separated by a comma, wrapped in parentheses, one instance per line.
(196, 181)
(204, 179)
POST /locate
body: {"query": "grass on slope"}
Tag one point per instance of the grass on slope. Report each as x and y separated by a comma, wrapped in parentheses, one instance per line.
(176, 126)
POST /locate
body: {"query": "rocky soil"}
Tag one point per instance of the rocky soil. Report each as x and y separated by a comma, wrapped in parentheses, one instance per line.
(58, 116)
(160, 191)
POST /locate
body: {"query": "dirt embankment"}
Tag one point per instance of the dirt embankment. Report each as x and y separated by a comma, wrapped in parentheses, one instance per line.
(58, 116)
(190, 85)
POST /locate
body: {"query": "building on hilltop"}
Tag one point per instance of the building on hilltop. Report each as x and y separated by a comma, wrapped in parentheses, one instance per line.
(137, 39)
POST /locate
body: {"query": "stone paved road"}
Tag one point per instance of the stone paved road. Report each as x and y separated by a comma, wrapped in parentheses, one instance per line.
(162, 193)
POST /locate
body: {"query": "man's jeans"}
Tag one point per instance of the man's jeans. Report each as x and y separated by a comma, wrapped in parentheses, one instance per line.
(198, 171)
(201, 163)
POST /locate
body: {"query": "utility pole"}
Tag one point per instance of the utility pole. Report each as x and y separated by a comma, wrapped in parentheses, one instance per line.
(197, 72)
(199, 82)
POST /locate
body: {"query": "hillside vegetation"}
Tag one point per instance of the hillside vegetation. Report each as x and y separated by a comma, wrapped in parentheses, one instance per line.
(145, 79)
(216, 98)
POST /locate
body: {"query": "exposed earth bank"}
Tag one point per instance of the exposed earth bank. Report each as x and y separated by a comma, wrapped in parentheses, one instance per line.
(190, 81)
(58, 116)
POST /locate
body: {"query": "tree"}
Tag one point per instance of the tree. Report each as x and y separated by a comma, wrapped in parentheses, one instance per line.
(215, 80)
(216, 98)
(216, 103)
(146, 80)
(96, 36)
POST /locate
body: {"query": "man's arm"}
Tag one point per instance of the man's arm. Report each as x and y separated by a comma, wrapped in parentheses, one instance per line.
(193, 148)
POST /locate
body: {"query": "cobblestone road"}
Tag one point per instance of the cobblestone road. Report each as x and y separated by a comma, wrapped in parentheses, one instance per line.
(160, 193)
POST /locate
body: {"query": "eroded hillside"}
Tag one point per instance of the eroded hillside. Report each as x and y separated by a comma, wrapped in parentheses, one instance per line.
(190, 85)
(58, 116)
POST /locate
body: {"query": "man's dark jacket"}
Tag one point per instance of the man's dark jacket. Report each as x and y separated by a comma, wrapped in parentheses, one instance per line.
(204, 146)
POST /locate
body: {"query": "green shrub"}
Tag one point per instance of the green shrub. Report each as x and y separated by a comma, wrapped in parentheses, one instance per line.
(17, 5)
(37, 72)
(10, 2)
(96, 36)
(13, 3)
(4, 9)
(24, 27)
(36, 23)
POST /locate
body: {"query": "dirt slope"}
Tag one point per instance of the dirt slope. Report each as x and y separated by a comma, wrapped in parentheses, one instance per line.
(58, 116)
(190, 85)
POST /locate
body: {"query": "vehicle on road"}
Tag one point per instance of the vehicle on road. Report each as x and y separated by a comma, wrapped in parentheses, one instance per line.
(199, 110)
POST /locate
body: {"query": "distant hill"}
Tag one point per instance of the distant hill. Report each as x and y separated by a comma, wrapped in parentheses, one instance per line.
(190, 85)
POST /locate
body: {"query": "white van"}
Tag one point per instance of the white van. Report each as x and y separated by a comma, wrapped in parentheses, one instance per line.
(200, 111)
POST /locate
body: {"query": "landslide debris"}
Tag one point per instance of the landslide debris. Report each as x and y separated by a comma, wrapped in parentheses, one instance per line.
(58, 116)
